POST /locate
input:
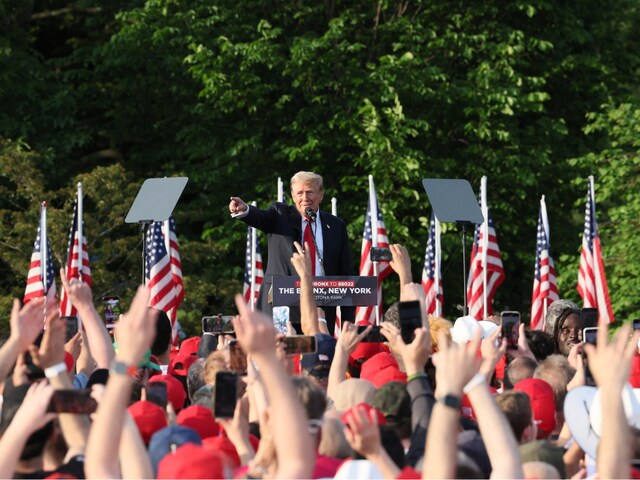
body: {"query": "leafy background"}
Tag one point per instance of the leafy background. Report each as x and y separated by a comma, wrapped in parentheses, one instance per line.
(536, 95)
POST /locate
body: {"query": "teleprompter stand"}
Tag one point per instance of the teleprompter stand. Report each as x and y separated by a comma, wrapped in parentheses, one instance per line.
(453, 200)
(155, 202)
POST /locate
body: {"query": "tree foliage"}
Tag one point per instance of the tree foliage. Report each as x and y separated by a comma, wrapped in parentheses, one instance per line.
(235, 94)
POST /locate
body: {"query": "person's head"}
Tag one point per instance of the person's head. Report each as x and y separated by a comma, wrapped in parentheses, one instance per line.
(563, 323)
(516, 406)
(313, 400)
(162, 341)
(556, 371)
(543, 405)
(307, 191)
(215, 363)
(333, 442)
(195, 377)
(540, 470)
(393, 400)
(437, 325)
(318, 364)
(540, 343)
(519, 369)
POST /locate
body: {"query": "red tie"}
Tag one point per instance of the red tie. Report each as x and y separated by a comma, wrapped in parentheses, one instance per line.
(308, 239)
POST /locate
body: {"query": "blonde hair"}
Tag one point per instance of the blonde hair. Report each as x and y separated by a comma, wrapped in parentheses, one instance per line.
(215, 363)
(307, 177)
(437, 325)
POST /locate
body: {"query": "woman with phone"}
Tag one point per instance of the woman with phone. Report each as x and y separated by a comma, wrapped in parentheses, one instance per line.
(564, 325)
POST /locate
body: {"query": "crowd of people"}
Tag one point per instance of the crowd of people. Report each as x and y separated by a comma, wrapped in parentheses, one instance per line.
(452, 403)
(449, 400)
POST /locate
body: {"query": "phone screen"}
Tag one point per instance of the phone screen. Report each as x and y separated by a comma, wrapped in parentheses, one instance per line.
(374, 336)
(72, 401)
(410, 319)
(226, 394)
(636, 324)
(157, 393)
(380, 254)
(217, 324)
(72, 327)
(111, 311)
(300, 344)
(589, 317)
(237, 358)
(590, 335)
(510, 324)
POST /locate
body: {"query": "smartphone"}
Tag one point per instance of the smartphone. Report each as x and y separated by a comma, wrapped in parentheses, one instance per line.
(72, 401)
(226, 394)
(157, 393)
(589, 317)
(380, 254)
(636, 324)
(590, 335)
(510, 324)
(217, 324)
(300, 344)
(111, 311)
(72, 327)
(410, 319)
(237, 358)
(374, 336)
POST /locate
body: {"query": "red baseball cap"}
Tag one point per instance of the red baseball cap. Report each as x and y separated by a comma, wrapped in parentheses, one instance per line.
(224, 446)
(543, 404)
(180, 364)
(149, 418)
(189, 346)
(193, 461)
(201, 419)
(634, 374)
(368, 408)
(175, 391)
(466, 409)
(382, 368)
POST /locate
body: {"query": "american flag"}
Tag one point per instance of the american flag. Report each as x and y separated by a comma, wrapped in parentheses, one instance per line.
(172, 246)
(545, 286)
(484, 249)
(158, 270)
(73, 262)
(431, 272)
(41, 266)
(592, 283)
(366, 265)
(253, 268)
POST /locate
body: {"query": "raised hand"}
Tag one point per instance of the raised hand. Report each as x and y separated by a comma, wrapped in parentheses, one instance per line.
(27, 322)
(136, 329)
(237, 205)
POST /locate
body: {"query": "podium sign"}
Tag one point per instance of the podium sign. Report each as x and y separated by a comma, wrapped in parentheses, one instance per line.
(328, 291)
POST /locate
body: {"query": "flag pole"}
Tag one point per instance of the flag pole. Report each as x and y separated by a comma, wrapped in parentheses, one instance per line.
(334, 206)
(280, 190)
(373, 211)
(43, 245)
(80, 233)
(485, 242)
(545, 225)
(253, 261)
(439, 305)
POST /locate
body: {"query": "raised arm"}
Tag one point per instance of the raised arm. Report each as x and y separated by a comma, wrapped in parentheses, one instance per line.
(294, 449)
(50, 357)
(610, 363)
(98, 338)
(301, 261)
(31, 416)
(345, 346)
(401, 263)
(135, 333)
(26, 324)
(455, 366)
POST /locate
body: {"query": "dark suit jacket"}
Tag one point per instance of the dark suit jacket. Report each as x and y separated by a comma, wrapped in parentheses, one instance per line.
(282, 223)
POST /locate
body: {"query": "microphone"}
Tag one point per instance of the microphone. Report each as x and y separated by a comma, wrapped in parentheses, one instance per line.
(311, 215)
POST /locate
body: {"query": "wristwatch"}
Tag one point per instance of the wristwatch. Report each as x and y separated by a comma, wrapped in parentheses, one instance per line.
(451, 401)
(122, 368)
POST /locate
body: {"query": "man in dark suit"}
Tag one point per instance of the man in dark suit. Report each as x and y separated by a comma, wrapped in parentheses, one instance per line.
(286, 224)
